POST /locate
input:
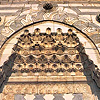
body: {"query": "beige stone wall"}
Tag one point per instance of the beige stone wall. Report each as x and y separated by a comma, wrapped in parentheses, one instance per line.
(16, 14)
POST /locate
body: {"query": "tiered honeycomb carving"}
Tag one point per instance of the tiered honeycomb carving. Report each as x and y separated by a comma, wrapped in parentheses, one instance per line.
(52, 53)
(48, 52)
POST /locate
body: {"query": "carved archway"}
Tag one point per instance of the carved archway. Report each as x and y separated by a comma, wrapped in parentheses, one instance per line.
(50, 56)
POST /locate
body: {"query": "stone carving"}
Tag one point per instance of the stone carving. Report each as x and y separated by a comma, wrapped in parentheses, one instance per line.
(47, 51)
(49, 55)
(58, 13)
(41, 89)
(98, 18)
(46, 88)
(57, 91)
(47, 6)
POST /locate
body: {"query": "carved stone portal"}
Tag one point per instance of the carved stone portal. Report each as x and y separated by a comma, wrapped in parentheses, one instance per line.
(55, 63)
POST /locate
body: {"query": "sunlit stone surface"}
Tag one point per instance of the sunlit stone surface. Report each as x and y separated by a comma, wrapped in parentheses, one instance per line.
(47, 69)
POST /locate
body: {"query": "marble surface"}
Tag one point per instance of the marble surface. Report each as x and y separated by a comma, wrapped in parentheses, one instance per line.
(49, 96)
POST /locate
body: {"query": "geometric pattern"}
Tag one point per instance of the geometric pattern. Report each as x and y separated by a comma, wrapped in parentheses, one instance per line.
(49, 97)
(48, 52)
